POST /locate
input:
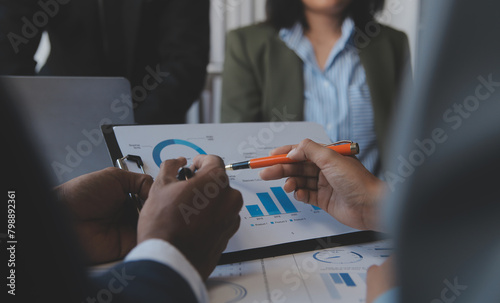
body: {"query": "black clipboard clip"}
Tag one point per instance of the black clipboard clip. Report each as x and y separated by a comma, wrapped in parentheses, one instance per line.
(121, 164)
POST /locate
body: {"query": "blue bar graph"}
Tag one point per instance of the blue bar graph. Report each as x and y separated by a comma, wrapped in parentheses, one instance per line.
(254, 210)
(268, 203)
(284, 200)
(336, 278)
(316, 208)
(334, 293)
(347, 279)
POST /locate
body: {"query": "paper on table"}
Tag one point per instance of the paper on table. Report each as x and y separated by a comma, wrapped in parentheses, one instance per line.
(269, 216)
(328, 275)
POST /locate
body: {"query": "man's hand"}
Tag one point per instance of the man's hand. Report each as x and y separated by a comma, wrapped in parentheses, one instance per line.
(198, 216)
(340, 185)
(380, 279)
(104, 222)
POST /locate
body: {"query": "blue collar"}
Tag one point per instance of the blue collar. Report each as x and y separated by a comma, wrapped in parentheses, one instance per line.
(294, 38)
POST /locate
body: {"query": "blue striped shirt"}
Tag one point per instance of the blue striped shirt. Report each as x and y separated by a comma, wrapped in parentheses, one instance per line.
(338, 98)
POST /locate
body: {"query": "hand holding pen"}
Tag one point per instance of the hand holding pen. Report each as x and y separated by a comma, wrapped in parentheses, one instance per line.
(340, 185)
(345, 148)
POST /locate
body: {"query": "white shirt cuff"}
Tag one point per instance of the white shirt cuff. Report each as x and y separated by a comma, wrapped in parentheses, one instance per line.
(167, 254)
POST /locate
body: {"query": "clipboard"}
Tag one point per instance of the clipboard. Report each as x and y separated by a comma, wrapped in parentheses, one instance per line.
(157, 133)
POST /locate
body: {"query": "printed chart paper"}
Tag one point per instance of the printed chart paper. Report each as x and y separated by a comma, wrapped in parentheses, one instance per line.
(328, 275)
(269, 215)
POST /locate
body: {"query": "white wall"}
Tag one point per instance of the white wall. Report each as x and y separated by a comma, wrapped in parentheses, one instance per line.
(403, 15)
(227, 15)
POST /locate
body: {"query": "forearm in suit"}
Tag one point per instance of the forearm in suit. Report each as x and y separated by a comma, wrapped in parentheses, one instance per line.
(183, 52)
(241, 92)
(140, 281)
(20, 35)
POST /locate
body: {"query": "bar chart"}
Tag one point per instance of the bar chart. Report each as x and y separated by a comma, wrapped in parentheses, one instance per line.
(269, 204)
(335, 282)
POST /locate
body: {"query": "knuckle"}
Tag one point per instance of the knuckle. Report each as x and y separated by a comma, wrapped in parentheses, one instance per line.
(215, 158)
(148, 179)
(111, 170)
(235, 225)
(240, 198)
(198, 158)
(282, 170)
(237, 222)
(372, 270)
(220, 171)
(233, 202)
(305, 143)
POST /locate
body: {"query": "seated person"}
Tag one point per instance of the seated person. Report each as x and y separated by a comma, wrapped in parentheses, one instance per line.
(321, 61)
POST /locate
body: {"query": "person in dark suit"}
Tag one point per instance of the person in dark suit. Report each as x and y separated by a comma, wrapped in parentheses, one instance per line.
(169, 246)
(161, 47)
(167, 253)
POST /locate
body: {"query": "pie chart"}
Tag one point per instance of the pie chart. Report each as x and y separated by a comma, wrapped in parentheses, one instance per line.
(174, 148)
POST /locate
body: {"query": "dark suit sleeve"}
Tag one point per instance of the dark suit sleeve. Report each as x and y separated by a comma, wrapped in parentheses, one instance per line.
(184, 48)
(140, 281)
(20, 35)
(241, 93)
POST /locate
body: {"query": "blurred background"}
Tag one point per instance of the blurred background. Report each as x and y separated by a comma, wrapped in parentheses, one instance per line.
(227, 15)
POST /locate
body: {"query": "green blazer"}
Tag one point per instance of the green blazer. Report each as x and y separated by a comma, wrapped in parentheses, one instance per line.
(263, 79)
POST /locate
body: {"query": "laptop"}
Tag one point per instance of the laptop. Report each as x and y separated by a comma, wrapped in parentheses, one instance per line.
(66, 114)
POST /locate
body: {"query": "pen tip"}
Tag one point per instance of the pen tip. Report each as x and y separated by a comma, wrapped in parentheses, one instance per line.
(229, 167)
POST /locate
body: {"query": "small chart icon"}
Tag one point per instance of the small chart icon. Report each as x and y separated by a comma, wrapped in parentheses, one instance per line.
(338, 256)
(224, 291)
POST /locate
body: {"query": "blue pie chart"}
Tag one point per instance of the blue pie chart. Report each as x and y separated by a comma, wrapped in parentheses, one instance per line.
(160, 146)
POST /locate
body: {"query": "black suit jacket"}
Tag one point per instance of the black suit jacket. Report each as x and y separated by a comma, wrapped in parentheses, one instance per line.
(140, 281)
(47, 261)
(161, 46)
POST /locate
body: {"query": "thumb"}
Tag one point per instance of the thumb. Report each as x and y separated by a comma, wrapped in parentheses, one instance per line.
(135, 183)
(309, 150)
(170, 168)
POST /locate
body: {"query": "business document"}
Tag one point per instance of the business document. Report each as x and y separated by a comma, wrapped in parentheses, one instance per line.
(269, 215)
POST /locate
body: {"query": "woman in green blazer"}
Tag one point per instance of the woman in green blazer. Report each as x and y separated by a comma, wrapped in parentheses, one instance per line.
(264, 79)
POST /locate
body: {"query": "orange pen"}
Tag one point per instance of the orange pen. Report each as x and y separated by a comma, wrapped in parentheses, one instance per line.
(347, 149)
